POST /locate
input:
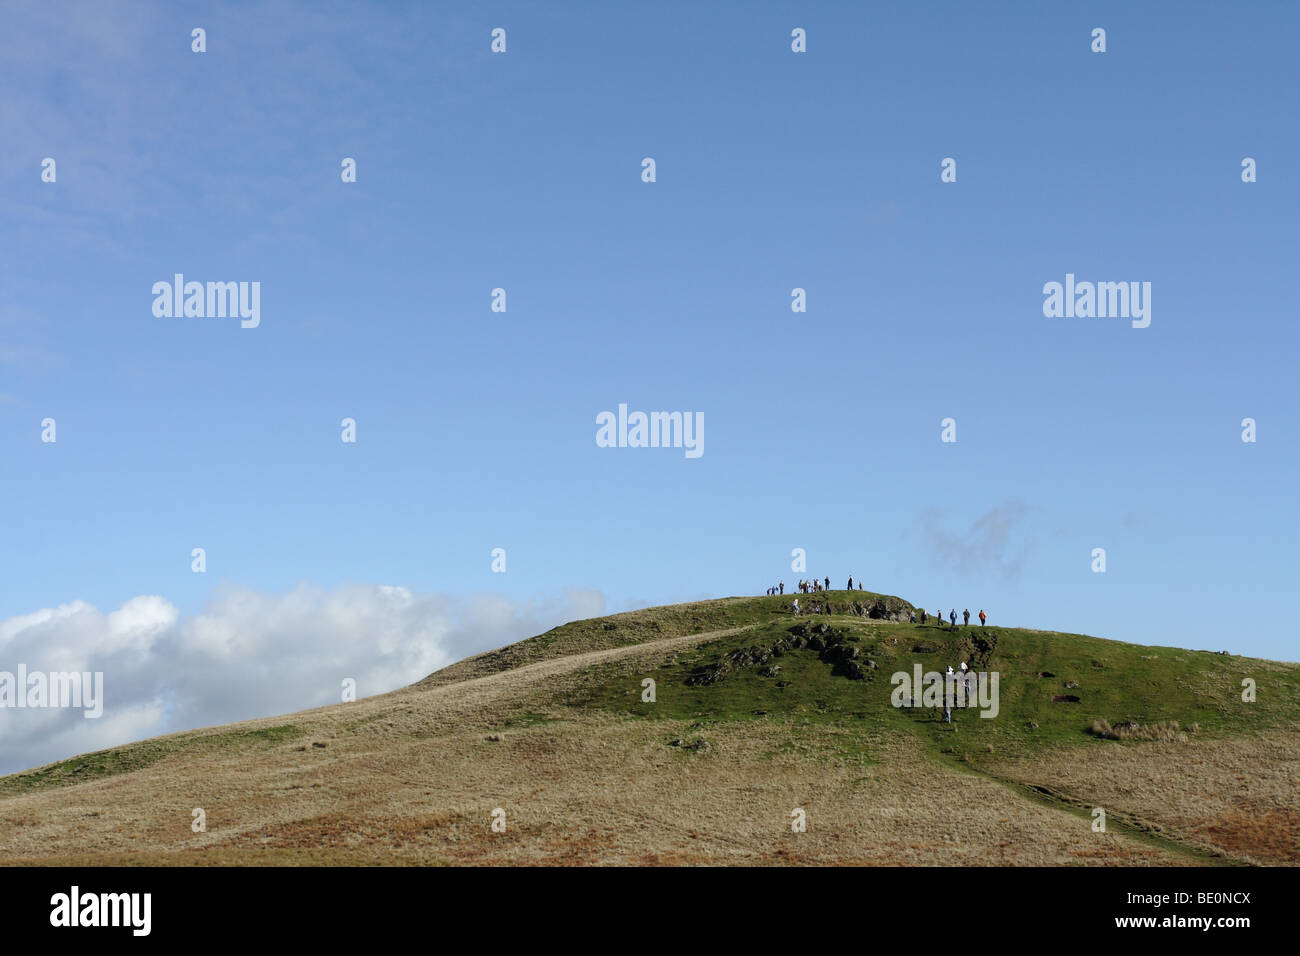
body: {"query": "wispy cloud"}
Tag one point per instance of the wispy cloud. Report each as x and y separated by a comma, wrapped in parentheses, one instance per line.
(995, 542)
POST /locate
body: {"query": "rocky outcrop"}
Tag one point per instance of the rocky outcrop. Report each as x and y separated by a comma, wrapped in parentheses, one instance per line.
(833, 645)
(881, 608)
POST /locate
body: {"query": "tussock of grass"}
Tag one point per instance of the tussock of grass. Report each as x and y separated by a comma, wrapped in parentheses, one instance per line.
(1167, 731)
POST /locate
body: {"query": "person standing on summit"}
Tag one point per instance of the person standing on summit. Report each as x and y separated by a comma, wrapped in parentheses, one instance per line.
(983, 617)
(952, 616)
(828, 583)
(850, 582)
(965, 618)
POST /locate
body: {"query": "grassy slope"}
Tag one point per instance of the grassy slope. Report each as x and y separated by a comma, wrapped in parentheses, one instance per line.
(818, 711)
(1117, 682)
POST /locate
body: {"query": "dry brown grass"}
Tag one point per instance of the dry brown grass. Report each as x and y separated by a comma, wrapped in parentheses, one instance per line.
(1166, 731)
(1238, 796)
(411, 778)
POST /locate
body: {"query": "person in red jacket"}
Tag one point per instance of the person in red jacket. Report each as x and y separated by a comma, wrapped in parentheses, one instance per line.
(983, 617)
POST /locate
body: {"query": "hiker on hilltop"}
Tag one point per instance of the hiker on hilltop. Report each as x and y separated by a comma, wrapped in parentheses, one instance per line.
(796, 605)
(983, 617)
(828, 582)
(939, 616)
(965, 617)
(859, 585)
(782, 587)
(923, 615)
(952, 616)
(850, 582)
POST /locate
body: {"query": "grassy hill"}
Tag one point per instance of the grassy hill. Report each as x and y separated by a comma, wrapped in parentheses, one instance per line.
(757, 715)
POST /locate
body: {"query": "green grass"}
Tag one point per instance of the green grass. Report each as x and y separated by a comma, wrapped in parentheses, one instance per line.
(1116, 682)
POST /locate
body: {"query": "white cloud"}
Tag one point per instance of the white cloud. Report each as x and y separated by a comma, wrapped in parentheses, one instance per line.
(248, 654)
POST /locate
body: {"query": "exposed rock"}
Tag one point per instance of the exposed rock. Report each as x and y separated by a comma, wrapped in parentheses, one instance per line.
(710, 675)
(833, 645)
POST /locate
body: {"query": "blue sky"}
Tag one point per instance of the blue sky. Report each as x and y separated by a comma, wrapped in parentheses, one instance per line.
(775, 170)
